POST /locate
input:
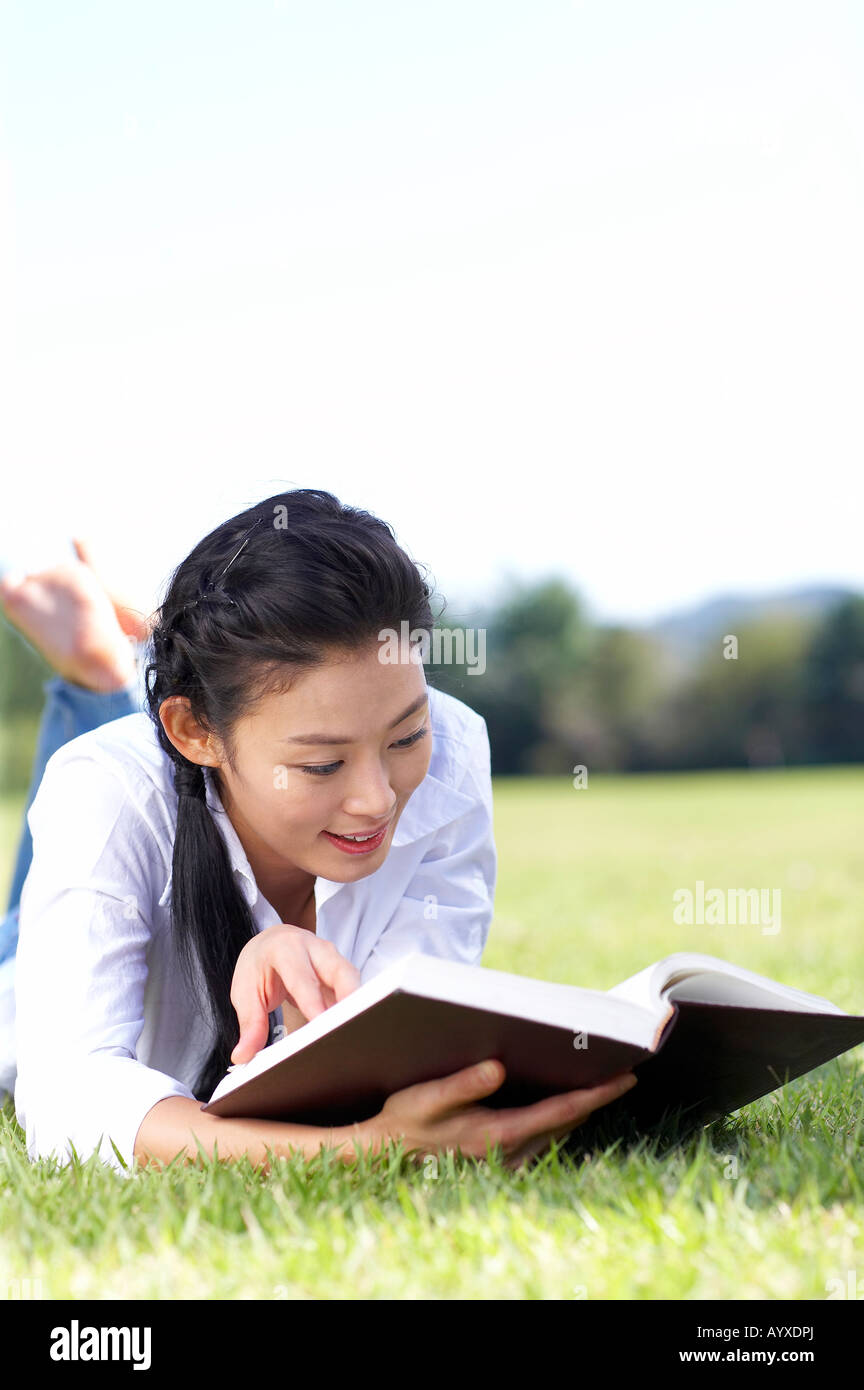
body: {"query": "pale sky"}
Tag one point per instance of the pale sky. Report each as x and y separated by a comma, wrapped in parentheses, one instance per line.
(559, 286)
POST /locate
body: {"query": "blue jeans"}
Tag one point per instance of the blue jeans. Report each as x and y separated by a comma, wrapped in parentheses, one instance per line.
(69, 710)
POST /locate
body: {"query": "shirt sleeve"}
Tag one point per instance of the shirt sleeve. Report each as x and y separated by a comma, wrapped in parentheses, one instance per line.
(447, 908)
(81, 968)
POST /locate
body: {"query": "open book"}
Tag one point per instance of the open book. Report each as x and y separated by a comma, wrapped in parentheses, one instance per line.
(703, 1036)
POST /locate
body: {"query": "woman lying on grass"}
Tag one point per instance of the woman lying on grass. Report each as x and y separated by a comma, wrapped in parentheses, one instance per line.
(193, 869)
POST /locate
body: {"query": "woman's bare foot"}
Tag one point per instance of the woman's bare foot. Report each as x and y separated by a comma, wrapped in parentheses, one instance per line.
(68, 616)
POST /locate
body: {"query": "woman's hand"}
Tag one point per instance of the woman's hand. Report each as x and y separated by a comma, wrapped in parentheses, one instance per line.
(285, 963)
(444, 1114)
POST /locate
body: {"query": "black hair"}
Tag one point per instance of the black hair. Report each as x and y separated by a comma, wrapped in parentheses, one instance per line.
(263, 598)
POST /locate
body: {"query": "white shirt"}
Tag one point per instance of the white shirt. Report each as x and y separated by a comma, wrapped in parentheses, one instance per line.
(105, 1025)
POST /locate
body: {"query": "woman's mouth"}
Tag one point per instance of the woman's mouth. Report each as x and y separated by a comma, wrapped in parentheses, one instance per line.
(360, 845)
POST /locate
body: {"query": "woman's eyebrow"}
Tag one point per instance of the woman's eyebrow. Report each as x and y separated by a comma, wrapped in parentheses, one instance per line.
(329, 738)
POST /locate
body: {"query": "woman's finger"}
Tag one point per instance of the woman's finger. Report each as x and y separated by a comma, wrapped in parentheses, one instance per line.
(304, 989)
(259, 987)
(332, 968)
(569, 1109)
(444, 1096)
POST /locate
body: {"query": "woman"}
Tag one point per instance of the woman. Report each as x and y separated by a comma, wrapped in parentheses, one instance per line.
(296, 812)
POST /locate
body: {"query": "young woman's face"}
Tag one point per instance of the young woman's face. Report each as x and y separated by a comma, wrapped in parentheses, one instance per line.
(337, 755)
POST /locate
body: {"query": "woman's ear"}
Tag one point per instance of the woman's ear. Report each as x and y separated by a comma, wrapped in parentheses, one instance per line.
(187, 735)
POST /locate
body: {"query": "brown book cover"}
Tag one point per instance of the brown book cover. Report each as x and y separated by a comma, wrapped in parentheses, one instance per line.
(715, 1058)
(702, 1059)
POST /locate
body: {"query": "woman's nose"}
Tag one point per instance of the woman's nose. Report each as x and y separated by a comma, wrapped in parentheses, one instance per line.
(371, 798)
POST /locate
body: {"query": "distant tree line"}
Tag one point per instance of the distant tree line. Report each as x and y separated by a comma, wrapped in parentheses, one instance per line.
(558, 691)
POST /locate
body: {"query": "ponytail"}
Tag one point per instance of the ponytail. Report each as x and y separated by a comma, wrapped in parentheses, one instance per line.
(211, 918)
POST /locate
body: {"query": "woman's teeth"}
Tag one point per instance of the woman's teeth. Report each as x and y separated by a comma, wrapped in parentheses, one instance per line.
(359, 842)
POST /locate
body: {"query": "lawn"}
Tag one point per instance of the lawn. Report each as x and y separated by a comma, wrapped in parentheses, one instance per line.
(767, 1204)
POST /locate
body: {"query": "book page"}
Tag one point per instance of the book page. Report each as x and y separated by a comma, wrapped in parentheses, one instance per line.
(709, 980)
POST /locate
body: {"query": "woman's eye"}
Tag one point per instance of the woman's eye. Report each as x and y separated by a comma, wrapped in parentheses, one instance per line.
(325, 769)
(412, 738)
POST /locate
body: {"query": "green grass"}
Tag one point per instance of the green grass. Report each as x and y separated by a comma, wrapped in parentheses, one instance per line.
(766, 1204)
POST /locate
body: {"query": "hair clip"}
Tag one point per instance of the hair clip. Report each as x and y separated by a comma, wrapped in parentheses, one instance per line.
(237, 552)
(210, 591)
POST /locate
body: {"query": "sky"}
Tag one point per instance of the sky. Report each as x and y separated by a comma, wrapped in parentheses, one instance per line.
(559, 287)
